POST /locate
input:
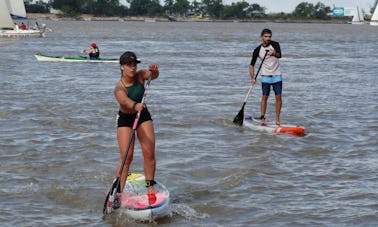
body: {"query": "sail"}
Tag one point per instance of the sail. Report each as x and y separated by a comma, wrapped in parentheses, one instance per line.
(16, 8)
(5, 18)
(374, 18)
(357, 17)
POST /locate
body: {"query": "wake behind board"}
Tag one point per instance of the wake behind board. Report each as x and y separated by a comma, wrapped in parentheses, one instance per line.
(137, 204)
(273, 128)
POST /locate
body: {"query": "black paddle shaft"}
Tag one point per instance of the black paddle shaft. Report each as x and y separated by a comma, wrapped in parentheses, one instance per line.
(239, 118)
(262, 61)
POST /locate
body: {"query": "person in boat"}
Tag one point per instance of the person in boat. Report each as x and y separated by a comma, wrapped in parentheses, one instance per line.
(129, 92)
(23, 26)
(271, 76)
(93, 52)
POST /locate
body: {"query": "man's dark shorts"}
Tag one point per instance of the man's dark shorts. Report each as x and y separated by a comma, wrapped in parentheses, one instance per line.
(277, 88)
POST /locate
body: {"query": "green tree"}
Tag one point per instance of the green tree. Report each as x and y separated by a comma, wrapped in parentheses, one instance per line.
(155, 9)
(106, 8)
(145, 7)
(38, 7)
(70, 7)
(197, 7)
(213, 7)
(308, 11)
(255, 10)
(304, 10)
(321, 11)
(95, 7)
(139, 7)
(181, 7)
(168, 6)
(236, 10)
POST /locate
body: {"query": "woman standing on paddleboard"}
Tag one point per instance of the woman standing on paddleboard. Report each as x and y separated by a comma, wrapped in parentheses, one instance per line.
(270, 72)
(129, 92)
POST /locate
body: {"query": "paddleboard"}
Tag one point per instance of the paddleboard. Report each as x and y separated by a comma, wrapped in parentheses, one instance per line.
(137, 204)
(273, 128)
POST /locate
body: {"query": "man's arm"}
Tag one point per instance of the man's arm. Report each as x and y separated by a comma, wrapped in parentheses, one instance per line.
(255, 55)
(277, 49)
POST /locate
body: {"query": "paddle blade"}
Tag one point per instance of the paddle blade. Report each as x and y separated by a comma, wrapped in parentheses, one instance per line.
(111, 201)
(240, 116)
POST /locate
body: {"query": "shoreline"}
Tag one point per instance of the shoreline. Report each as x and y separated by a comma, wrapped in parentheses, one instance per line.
(87, 17)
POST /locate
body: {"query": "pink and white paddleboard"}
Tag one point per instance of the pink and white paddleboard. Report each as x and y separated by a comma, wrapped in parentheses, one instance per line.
(138, 204)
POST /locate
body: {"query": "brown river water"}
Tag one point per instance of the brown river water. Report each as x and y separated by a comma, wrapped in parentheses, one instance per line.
(58, 145)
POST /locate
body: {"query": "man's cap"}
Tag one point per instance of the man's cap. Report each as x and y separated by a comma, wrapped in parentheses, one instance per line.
(128, 57)
(93, 45)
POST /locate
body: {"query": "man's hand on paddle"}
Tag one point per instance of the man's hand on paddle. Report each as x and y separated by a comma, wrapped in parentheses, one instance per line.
(272, 53)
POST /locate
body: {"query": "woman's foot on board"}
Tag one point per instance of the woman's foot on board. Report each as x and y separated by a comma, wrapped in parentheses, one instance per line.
(150, 186)
(152, 196)
(151, 191)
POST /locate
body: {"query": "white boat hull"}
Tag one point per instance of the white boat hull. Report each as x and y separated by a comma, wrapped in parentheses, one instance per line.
(8, 28)
(21, 33)
(41, 57)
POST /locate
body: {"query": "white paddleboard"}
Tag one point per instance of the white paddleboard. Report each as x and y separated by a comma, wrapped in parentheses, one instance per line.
(273, 128)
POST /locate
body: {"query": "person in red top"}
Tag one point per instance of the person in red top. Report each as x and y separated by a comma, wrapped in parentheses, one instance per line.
(23, 26)
(93, 52)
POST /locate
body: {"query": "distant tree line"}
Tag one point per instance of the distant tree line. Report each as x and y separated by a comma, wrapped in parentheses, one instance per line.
(38, 7)
(214, 9)
(309, 10)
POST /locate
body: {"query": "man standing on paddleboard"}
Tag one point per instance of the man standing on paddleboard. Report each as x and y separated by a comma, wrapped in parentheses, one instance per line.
(270, 72)
(129, 92)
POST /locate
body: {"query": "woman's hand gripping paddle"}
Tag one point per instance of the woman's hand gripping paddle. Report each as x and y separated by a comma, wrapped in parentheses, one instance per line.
(240, 116)
(112, 201)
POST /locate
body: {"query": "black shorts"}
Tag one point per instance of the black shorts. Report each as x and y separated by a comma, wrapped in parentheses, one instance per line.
(127, 120)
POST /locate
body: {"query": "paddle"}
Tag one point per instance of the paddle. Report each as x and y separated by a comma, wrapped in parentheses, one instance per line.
(240, 116)
(110, 202)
